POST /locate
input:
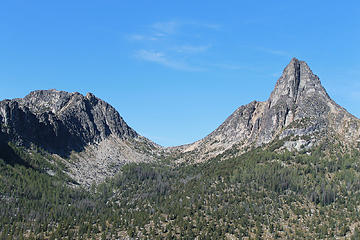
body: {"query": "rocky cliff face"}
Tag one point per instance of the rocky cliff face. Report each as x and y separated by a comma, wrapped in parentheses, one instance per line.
(71, 125)
(61, 121)
(297, 107)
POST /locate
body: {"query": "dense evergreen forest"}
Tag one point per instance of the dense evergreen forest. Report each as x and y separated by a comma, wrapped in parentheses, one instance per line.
(262, 194)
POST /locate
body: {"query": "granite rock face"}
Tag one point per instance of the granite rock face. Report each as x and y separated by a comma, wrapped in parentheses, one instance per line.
(299, 106)
(84, 129)
(60, 121)
(298, 94)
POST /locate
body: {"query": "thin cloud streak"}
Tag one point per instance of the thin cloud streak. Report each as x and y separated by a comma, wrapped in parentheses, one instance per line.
(166, 46)
(161, 30)
(156, 31)
(162, 59)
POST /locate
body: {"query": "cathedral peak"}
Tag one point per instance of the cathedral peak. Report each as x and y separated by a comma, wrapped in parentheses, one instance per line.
(296, 81)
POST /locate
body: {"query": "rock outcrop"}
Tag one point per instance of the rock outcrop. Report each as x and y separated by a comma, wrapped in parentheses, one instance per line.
(298, 106)
(71, 125)
(60, 121)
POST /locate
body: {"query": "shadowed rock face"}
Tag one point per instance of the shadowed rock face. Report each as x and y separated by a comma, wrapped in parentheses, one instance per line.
(298, 106)
(85, 133)
(60, 121)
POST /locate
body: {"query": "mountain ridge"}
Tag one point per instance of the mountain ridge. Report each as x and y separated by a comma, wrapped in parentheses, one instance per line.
(81, 119)
(91, 131)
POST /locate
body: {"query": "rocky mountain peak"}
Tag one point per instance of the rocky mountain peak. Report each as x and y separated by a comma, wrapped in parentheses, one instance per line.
(296, 82)
(298, 108)
(84, 133)
(40, 101)
(298, 94)
(62, 121)
(90, 96)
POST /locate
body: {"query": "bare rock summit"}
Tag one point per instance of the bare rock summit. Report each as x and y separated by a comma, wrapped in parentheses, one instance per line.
(85, 129)
(298, 110)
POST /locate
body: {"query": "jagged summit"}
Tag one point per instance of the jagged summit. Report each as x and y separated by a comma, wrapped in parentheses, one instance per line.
(298, 94)
(296, 81)
(62, 121)
(71, 125)
(298, 106)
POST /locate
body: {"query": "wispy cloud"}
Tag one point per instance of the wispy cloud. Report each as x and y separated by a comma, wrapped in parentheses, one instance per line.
(171, 44)
(162, 59)
(156, 31)
(161, 30)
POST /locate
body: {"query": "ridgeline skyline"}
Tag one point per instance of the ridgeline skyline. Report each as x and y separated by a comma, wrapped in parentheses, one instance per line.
(175, 73)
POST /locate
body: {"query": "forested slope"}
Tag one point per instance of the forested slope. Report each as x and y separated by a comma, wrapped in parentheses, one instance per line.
(310, 194)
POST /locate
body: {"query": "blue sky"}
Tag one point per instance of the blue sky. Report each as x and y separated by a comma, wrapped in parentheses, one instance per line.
(175, 70)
